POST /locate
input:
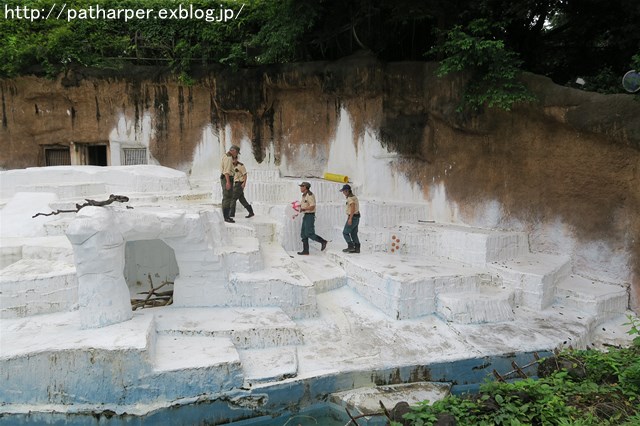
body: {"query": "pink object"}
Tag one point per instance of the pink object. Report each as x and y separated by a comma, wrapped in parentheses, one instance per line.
(295, 205)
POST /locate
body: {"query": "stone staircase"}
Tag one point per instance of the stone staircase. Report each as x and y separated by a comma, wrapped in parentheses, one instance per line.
(467, 275)
(259, 343)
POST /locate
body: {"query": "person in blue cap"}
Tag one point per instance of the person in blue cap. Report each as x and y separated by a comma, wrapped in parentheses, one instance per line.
(350, 231)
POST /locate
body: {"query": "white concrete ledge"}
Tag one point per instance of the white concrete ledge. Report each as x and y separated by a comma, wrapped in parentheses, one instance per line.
(602, 300)
(268, 365)
(37, 286)
(534, 277)
(247, 328)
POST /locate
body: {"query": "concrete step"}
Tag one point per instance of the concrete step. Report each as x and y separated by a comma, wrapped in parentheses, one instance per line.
(604, 301)
(57, 248)
(240, 230)
(471, 246)
(405, 287)
(264, 175)
(247, 328)
(182, 363)
(268, 365)
(322, 272)
(367, 400)
(10, 251)
(79, 190)
(261, 226)
(46, 248)
(534, 277)
(37, 286)
(487, 304)
(243, 254)
(382, 214)
(281, 284)
(286, 190)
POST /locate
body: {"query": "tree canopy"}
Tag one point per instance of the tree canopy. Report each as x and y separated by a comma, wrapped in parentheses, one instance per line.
(597, 40)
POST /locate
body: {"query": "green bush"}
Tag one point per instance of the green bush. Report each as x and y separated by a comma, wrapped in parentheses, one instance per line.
(605, 392)
(493, 69)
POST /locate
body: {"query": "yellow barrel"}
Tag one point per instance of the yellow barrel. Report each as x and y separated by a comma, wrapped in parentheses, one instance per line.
(336, 178)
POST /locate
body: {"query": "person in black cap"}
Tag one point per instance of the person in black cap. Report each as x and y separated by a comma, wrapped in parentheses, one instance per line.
(350, 231)
(226, 181)
(308, 230)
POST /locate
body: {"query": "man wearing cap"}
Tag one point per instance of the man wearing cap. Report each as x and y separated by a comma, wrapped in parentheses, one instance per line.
(226, 181)
(308, 208)
(350, 231)
(239, 183)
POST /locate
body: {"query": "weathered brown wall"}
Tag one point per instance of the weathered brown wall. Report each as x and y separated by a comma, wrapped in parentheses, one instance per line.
(570, 156)
(40, 112)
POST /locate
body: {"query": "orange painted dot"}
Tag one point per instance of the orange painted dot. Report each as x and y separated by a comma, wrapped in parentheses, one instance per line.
(393, 237)
(393, 244)
(397, 240)
(392, 250)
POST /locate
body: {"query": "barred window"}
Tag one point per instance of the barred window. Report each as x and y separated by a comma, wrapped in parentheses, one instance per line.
(133, 156)
(57, 156)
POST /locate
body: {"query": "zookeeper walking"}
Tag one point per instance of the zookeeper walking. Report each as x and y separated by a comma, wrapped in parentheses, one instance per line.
(308, 230)
(350, 231)
(226, 181)
(239, 183)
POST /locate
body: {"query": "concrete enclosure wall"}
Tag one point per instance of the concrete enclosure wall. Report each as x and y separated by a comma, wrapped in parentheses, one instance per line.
(565, 168)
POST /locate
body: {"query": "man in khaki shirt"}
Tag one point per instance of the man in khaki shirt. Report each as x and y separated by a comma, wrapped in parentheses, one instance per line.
(239, 183)
(226, 181)
(350, 231)
(308, 230)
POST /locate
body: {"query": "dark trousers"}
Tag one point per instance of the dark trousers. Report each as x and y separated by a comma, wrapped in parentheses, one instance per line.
(350, 232)
(227, 194)
(308, 230)
(238, 195)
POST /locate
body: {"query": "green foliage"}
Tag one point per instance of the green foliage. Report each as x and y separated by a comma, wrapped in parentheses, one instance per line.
(493, 69)
(284, 25)
(49, 46)
(633, 321)
(557, 38)
(605, 81)
(607, 395)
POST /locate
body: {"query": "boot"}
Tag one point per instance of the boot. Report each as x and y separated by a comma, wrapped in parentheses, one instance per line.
(250, 210)
(348, 249)
(305, 248)
(225, 213)
(324, 244)
(355, 249)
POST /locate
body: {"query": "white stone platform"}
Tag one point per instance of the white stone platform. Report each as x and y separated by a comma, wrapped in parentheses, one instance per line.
(255, 325)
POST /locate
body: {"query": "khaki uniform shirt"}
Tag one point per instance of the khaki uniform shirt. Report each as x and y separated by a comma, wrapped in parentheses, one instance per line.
(353, 201)
(240, 173)
(308, 203)
(226, 166)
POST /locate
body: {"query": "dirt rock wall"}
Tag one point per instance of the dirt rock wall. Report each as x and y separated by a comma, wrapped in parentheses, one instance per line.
(566, 168)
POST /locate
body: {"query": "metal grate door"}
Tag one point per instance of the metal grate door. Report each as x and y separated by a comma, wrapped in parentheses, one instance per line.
(57, 157)
(133, 156)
